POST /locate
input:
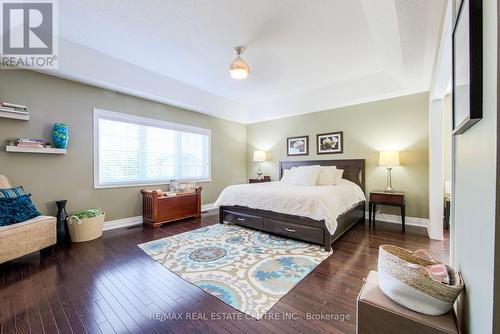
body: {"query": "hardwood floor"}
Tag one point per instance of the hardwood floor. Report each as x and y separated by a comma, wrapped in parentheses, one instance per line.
(111, 286)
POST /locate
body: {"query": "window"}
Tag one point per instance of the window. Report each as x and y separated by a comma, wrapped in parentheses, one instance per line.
(131, 150)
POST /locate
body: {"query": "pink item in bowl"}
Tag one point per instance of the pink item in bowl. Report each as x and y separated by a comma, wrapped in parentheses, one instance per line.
(438, 272)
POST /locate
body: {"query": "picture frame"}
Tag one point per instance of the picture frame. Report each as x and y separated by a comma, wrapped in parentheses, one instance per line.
(296, 146)
(467, 68)
(330, 143)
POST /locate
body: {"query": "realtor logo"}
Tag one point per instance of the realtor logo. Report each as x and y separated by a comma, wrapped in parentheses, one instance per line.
(28, 32)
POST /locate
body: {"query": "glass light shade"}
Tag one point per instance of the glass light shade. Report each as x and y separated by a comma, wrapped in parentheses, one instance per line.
(389, 158)
(259, 156)
(239, 69)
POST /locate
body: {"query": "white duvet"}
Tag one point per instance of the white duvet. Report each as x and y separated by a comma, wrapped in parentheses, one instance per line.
(316, 202)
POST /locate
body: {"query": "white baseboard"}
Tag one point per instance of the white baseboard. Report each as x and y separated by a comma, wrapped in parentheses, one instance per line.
(395, 219)
(132, 221)
(121, 223)
(410, 221)
(208, 207)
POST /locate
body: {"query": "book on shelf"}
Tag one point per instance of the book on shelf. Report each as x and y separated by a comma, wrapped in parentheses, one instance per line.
(29, 139)
(30, 145)
(30, 142)
(14, 111)
(14, 106)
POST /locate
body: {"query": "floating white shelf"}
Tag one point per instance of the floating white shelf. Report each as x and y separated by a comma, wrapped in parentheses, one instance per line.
(14, 115)
(45, 150)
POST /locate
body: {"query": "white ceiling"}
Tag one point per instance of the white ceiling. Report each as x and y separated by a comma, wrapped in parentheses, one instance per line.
(304, 55)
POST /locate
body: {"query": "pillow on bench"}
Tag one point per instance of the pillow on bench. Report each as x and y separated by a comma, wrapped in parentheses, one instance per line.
(11, 192)
(17, 209)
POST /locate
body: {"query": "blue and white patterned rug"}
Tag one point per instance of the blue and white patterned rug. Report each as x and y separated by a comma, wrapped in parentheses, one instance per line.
(247, 269)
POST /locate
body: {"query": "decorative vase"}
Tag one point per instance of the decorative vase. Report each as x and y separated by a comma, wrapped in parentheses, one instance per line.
(60, 135)
(62, 226)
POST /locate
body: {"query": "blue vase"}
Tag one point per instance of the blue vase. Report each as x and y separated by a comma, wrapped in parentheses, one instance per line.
(60, 135)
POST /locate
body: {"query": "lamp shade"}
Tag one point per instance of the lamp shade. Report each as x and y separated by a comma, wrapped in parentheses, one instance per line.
(389, 158)
(259, 156)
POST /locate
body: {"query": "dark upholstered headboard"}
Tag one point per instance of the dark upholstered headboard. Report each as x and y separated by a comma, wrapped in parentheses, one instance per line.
(354, 169)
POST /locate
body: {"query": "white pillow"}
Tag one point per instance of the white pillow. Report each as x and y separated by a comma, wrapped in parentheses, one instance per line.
(338, 176)
(327, 175)
(306, 175)
(288, 176)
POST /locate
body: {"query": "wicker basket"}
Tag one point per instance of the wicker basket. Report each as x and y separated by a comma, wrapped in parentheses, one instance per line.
(402, 278)
(85, 229)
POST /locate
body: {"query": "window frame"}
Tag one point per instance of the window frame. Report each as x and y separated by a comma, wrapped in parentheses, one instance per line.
(139, 120)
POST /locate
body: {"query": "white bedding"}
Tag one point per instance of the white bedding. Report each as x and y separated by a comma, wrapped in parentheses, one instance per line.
(316, 202)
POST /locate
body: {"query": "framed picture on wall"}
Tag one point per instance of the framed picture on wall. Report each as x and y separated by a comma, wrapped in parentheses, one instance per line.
(297, 145)
(330, 143)
(467, 66)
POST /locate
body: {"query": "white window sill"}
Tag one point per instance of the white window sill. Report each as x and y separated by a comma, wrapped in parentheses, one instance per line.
(135, 185)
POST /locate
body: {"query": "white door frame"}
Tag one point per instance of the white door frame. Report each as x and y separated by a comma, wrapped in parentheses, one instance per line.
(441, 77)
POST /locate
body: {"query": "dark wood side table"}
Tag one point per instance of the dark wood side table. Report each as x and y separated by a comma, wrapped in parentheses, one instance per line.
(380, 197)
(264, 179)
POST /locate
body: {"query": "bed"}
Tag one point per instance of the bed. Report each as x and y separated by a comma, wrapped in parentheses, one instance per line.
(299, 227)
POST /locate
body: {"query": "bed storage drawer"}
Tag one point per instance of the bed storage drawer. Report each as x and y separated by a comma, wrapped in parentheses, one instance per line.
(243, 219)
(302, 232)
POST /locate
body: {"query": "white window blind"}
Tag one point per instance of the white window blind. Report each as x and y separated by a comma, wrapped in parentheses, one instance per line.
(132, 150)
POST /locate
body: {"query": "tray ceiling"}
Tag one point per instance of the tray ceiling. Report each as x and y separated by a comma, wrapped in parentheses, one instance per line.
(304, 56)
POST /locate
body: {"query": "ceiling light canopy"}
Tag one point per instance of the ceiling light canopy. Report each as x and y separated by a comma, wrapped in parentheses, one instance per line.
(239, 69)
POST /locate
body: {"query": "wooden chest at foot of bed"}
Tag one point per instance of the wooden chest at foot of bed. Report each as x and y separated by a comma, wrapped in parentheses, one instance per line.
(159, 209)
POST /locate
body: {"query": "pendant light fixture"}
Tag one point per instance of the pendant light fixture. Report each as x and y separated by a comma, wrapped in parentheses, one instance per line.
(239, 69)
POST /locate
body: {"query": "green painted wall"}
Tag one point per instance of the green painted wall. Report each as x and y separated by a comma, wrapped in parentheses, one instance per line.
(394, 124)
(52, 177)
(475, 226)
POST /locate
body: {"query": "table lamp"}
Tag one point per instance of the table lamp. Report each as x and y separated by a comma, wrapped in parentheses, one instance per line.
(389, 159)
(259, 156)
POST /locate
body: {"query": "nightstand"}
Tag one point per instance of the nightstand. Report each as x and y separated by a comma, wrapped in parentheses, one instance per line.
(380, 197)
(264, 179)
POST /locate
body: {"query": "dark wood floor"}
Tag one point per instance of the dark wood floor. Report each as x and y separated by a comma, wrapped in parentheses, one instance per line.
(110, 286)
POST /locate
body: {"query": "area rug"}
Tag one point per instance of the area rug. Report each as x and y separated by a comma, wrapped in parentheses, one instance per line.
(247, 269)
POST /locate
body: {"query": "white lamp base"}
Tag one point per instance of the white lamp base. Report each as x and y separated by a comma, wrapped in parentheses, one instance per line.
(259, 173)
(389, 188)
